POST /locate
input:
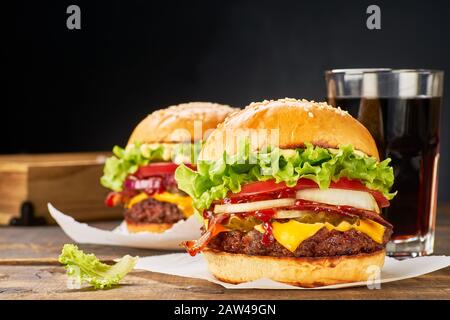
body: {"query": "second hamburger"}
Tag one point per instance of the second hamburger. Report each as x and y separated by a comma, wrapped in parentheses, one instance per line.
(141, 175)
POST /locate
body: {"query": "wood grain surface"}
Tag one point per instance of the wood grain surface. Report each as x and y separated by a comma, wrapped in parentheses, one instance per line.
(44, 178)
(29, 270)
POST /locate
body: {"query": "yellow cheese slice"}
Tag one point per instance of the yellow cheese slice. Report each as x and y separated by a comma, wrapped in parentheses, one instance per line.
(343, 226)
(372, 229)
(140, 197)
(292, 233)
(184, 203)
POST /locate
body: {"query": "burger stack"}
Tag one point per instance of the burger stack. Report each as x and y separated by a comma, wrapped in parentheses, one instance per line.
(141, 175)
(305, 210)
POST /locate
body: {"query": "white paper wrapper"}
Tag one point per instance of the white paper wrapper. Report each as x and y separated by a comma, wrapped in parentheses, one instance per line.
(168, 240)
(182, 264)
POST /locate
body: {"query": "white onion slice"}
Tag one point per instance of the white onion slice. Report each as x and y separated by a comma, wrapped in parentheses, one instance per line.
(253, 206)
(357, 199)
(290, 214)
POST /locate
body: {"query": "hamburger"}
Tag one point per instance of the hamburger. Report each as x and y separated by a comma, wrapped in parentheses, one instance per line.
(141, 175)
(302, 209)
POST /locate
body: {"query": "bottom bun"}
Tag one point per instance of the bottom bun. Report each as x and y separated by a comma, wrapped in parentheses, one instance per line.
(148, 227)
(305, 272)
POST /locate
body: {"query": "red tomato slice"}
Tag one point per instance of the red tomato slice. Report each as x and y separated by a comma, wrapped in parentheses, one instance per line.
(155, 169)
(260, 187)
(158, 168)
(253, 188)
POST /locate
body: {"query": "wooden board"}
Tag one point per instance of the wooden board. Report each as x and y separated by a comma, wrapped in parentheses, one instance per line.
(29, 270)
(70, 181)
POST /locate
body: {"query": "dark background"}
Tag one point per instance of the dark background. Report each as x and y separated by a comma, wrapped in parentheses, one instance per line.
(81, 90)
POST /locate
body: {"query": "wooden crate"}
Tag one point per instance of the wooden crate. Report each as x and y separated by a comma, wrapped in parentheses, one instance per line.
(70, 181)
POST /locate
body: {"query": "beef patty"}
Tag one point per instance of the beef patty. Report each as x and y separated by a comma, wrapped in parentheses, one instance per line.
(153, 211)
(324, 243)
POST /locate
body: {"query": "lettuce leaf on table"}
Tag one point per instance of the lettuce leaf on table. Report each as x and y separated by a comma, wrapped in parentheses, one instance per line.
(86, 268)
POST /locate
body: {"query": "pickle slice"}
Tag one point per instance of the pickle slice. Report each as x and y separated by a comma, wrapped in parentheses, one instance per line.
(313, 217)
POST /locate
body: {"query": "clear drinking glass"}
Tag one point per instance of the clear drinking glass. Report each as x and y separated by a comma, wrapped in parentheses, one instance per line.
(401, 108)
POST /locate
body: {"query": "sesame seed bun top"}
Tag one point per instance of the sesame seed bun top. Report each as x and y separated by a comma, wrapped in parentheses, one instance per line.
(298, 122)
(176, 124)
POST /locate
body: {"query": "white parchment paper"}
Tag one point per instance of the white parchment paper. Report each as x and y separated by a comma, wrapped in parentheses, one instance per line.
(182, 264)
(168, 240)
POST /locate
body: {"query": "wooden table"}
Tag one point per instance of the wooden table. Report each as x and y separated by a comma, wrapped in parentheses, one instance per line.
(29, 270)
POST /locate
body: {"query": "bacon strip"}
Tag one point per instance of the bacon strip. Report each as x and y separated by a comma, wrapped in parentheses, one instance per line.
(342, 210)
(215, 227)
(115, 198)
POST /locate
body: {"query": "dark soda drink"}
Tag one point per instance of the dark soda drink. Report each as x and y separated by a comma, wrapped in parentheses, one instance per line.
(401, 109)
(407, 131)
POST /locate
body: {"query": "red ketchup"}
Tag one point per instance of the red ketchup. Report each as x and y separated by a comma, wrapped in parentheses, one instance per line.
(265, 216)
(208, 214)
(267, 237)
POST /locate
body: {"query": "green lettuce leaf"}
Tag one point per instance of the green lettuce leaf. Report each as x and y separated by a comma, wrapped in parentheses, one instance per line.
(86, 268)
(214, 179)
(126, 161)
